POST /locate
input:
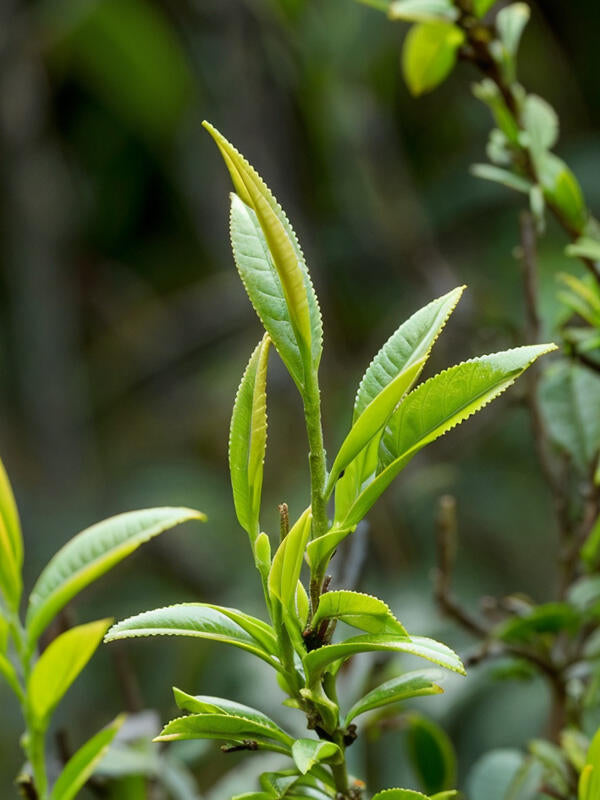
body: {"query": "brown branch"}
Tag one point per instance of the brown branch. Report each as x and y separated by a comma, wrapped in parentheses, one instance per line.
(588, 362)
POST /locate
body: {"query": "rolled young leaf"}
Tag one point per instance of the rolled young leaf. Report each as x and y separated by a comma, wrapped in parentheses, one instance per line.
(202, 621)
(248, 440)
(92, 553)
(287, 564)
(80, 767)
(60, 664)
(318, 661)
(359, 610)
(10, 515)
(437, 406)
(284, 250)
(403, 687)
(9, 674)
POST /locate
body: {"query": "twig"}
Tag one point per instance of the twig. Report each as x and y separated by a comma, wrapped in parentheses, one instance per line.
(588, 362)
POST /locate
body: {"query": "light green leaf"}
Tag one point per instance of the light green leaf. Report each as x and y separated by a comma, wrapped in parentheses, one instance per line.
(319, 550)
(92, 553)
(317, 661)
(359, 610)
(227, 727)
(202, 621)
(287, 259)
(431, 754)
(510, 24)
(248, 440)
(429, 54)
(444, 795)
(590, 552)
(423, 10)
(203, 704)
(403, 687)
(60, 664)
(399, 794)
(509, 179)
(372, 420)
(408, 347)
(583, 296)
(584, 247)
(10, 515)
(562, 190)
(11, 583)
(3, 633)
(437, 406)
(81, 766)
(9, 674)
(570, 398)
(481, 7)
(541, 125)
(489, 93)
(308, 752)
(287, 564)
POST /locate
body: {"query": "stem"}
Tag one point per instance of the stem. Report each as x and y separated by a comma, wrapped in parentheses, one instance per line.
(339, 771)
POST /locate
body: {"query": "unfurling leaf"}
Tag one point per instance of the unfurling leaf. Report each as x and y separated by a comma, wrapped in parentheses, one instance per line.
(406, 350)
(80, 767)
(59, 665)
(287, 564)
(202, 621)
(92, 553)
(429, 54)
(272, 248)
(510, 23)
(562, 190)
(308, 752)
(10, 516)
(403, 687)
(437, 406)
(248, 440)
(359, 610)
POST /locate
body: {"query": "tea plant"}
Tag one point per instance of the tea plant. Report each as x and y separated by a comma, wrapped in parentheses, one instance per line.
(391, 422)
(40, 682)
(558, 639)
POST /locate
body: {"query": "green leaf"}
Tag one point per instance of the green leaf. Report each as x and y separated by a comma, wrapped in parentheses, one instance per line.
(308, 752)
(562, 190)
(437, 406)
(510, 24)
(583, 296)
(203, 704)
(4, 628)
(287, 564)
(399, 794)
(248, 440)
(549, 618)
(429, 54)
(372, 420)
(60, 664)
(423, 10)
(444, 795)
(481, 7)
(489, 172)
(570, 398)
(227, 727)
(584, 247)
(318, 661)
(284, 251)
(431, 754)
(409, 346)
(10, 516)
(9, 674)
(541, 125)
(590, 552)
(202, 621)
(81, 766)
(396, 690)
(11, 583)
(359, 610)
(319, 550)
(92, 553)
(489, 93)
(493, 774)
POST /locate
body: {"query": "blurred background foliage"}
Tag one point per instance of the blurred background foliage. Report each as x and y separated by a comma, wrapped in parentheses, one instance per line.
(124, 328)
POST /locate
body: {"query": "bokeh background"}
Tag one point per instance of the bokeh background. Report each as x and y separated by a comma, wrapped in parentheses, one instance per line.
(124, 328)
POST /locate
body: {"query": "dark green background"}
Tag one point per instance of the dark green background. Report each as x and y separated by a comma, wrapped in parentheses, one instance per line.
(124, 328)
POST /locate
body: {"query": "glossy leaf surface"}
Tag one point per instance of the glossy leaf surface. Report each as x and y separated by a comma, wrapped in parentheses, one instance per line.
(227, 727)
(203, 704)
(359, 610)
(92, 553)
(429, 54)
(308, 752)
(287, 563)
(403, 687)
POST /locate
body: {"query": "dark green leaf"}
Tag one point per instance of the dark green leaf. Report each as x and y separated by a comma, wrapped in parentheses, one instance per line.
(396, 690)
